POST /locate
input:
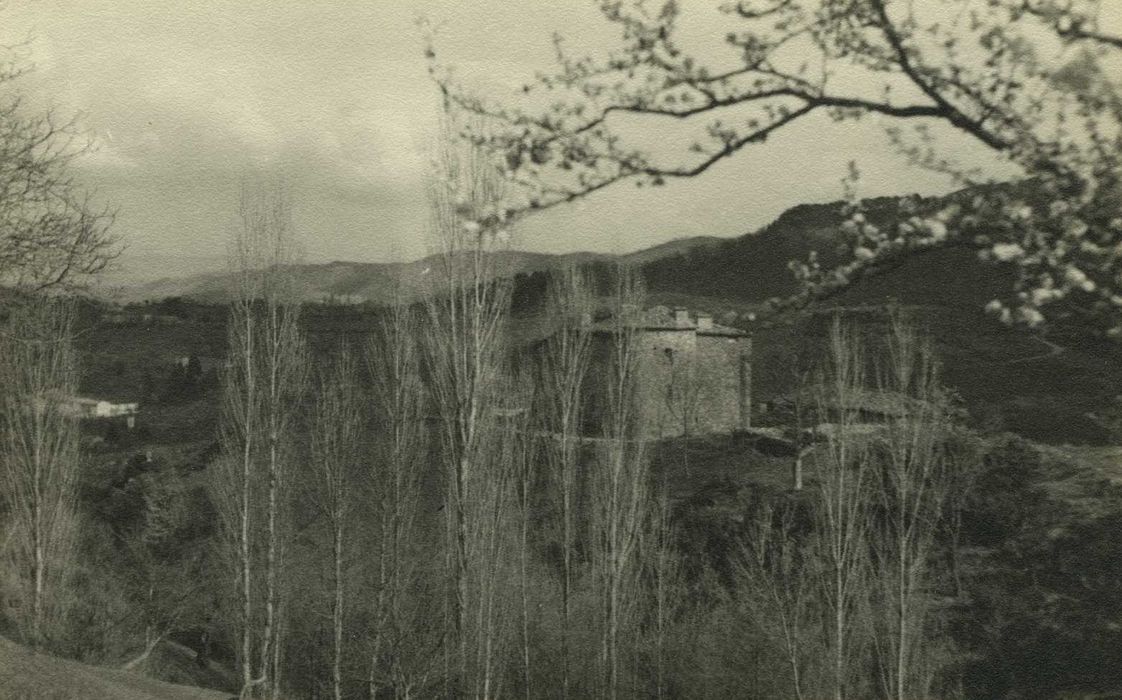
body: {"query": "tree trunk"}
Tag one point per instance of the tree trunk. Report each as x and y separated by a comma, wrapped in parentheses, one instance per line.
(39, 559)
(337, 615)
(269, 631)
(244, 514)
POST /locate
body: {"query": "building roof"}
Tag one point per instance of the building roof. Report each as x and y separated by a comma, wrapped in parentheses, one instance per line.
(725, 331)
(661, 318)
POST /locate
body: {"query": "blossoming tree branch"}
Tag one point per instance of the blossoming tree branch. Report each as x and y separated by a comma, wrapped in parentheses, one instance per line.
(1029, 80)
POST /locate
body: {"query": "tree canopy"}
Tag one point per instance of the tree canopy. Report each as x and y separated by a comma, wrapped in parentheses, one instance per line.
(1031, 80)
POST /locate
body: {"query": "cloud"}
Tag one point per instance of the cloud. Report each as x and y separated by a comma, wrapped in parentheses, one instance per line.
(334, 98)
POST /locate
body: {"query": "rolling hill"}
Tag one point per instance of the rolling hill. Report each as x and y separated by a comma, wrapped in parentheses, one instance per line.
(377, 282)
(747, 268)
(29, 675)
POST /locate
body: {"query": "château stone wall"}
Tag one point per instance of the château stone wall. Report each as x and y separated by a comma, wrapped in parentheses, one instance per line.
(694, 377)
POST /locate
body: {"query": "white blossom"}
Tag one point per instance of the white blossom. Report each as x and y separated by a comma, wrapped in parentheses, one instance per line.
(937, 229)
(1042, 296)
(1030, 316)
(947, 213)
(1059, 207)
(1008, 251)
(1074, 276)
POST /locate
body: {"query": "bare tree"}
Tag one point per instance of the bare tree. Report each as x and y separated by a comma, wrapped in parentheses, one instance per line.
(234, 473)
(842, 507)
(912, 480)
(560, 411)
(799, 369)
(337, 425)
(264, 380)
(167, 572)
(231, 481)
(517, 442)
(284, 371)
(399, 648)
(517, 425)
(465, 350)
(776, 578)
(39, 459)
(964, 462)
(664, 580)
(620, 485)
(51, 234)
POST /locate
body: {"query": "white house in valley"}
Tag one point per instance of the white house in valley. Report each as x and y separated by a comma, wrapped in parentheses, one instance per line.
(83, 407)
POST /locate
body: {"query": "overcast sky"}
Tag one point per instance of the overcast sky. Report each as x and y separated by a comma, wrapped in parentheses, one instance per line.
(183, 99)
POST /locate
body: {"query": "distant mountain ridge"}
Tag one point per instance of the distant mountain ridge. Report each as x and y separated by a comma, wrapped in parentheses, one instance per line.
(749, 268)
(754, 267)
(377, 282)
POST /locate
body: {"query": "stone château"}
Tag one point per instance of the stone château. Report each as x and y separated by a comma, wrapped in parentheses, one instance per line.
(694, 375)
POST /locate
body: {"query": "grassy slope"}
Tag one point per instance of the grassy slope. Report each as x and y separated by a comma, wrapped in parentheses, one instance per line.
(27, 674)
